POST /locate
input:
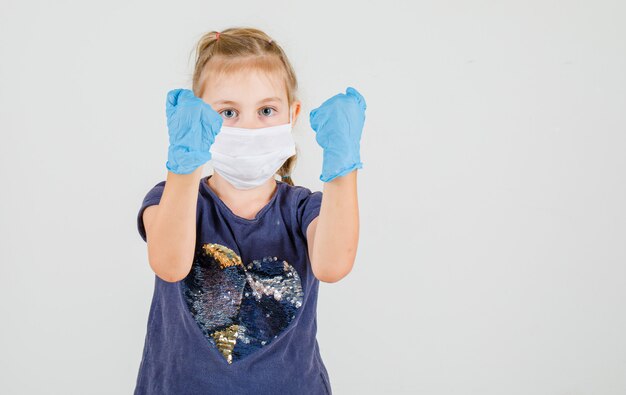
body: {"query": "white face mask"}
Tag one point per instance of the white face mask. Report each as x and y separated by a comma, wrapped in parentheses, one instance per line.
(248, 157)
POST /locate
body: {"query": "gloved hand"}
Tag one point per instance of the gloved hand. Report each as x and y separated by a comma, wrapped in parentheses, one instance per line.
(192, 126)
(338, 124)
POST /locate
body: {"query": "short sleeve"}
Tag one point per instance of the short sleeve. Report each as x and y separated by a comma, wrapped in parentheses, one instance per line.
(153, 197)
(308, 207)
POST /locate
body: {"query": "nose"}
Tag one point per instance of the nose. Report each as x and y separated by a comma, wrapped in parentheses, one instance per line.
(251, 124)
(245, 121)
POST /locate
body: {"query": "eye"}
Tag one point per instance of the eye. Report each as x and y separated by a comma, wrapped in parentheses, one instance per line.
(268, 108)
(226, 110)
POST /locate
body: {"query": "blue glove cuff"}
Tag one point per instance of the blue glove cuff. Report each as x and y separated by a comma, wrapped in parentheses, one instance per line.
(326, 177)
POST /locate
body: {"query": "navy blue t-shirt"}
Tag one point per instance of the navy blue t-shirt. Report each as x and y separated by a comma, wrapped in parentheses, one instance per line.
(243, 321)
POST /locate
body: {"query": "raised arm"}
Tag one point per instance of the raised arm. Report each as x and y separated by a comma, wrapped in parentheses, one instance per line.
(333, 236)
(171, 227)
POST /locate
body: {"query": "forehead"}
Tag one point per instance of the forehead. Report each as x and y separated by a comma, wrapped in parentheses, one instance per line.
(245, 87)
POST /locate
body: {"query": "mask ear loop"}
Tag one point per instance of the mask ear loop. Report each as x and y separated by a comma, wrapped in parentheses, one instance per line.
(290, 121)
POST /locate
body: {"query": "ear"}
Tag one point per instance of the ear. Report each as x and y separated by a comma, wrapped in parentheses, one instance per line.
(297, 107)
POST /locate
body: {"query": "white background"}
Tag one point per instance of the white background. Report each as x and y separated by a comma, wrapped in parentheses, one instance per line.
(493, 240)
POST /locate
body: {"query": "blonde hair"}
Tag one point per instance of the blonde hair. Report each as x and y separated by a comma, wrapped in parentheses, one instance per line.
(241, 49)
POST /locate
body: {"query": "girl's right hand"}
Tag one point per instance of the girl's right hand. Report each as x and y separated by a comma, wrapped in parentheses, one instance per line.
(192, 126)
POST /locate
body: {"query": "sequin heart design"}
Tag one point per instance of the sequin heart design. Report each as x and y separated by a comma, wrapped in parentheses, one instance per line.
(241, 309)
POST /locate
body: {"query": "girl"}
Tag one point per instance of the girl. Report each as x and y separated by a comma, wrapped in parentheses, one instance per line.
(238, 255)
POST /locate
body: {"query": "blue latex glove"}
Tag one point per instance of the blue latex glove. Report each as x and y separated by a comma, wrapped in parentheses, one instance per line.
(192, 125)
(338, 124)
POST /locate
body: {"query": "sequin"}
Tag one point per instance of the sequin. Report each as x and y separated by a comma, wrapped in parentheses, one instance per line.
(241, 308)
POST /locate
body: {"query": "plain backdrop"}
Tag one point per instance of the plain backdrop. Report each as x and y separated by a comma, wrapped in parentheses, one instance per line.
(492, 251)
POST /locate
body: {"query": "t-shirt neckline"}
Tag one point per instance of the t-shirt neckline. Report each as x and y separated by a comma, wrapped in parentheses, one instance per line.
(230, 213)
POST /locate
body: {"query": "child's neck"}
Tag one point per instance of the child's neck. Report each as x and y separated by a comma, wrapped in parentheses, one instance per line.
(246, 202)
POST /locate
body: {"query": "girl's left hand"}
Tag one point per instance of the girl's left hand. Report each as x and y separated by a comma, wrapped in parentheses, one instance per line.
(338, 124)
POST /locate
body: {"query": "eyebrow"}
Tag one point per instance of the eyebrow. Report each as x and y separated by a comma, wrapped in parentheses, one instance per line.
(267, 99)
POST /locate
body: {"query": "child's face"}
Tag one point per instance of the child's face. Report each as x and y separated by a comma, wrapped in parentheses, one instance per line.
(249, 100)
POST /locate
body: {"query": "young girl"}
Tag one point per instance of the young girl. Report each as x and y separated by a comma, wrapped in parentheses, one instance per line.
(238, 255)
